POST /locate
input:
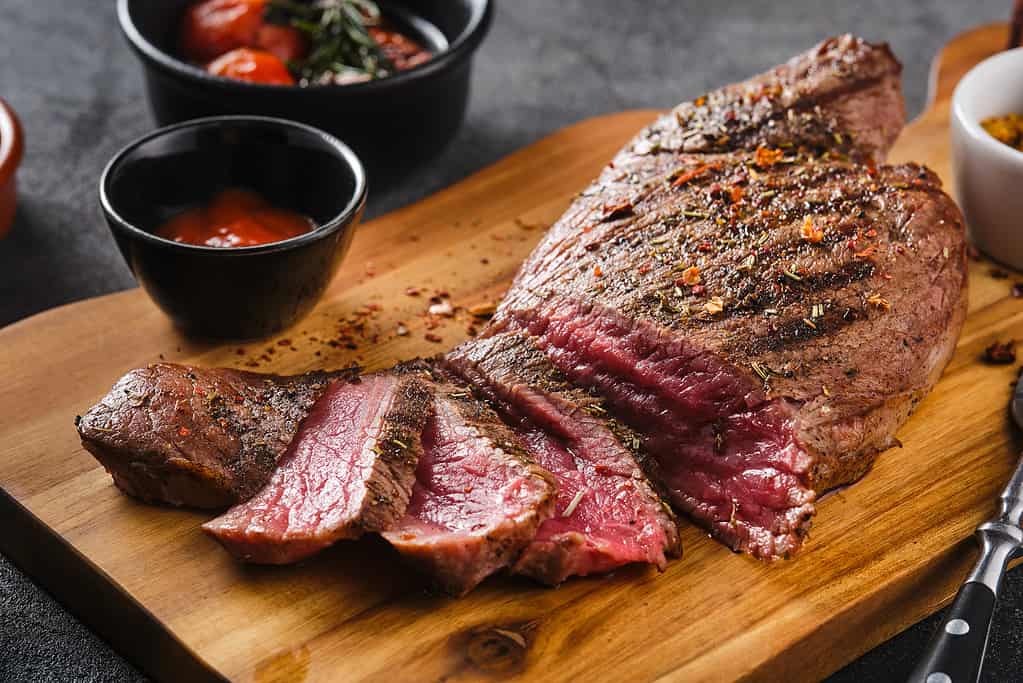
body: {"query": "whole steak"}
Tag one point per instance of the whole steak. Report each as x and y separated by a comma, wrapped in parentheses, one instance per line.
(750, 292)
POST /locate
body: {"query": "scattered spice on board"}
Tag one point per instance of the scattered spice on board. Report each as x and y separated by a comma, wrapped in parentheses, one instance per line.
(431, 337)
(1017, 289)
(482, 310)
(443, 308)
(1001, 353)
(998, 274)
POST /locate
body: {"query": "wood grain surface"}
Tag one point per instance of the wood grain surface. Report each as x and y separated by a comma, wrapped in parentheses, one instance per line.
(883, 553)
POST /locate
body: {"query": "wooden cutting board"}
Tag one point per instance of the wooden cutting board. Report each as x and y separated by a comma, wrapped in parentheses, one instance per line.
(883, 553)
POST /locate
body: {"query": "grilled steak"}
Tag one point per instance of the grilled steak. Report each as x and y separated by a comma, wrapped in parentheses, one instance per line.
(477, 501)
(607, 514)
(745, 302)
(349, 470)
(199, 437)
(766, 317)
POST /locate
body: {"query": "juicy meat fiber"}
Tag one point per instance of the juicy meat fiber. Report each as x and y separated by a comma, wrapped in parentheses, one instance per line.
(725, 455)
(349, 470)
(199, 437)
(607, 513)
(477, 501)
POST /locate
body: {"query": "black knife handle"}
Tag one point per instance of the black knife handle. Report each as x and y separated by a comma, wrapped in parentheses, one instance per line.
(956, 652)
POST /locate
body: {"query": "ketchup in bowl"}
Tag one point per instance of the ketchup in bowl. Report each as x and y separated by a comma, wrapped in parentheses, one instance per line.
(235, 217)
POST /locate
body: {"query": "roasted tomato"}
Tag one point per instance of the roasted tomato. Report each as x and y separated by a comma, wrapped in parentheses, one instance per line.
(255, 66)
(214, 27)
(287, 43)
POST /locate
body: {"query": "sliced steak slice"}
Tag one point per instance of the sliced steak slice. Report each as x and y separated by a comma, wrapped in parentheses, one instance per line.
(199, 437)
(477, 501)
(349, 470)
(607, 513)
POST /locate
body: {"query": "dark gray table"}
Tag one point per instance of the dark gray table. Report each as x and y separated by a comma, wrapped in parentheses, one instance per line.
(65, 69)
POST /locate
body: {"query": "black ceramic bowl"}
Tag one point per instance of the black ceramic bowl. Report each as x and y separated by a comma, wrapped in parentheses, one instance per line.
(392, 123)
(241, 292)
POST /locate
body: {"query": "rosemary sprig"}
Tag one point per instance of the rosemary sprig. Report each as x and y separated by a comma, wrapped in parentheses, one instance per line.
(343, 50)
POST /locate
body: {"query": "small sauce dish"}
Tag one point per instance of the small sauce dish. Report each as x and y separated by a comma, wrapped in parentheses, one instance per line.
(988, 173)
(11, 147)
(238, 292)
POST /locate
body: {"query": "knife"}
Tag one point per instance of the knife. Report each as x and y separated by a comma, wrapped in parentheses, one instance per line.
(956, 652)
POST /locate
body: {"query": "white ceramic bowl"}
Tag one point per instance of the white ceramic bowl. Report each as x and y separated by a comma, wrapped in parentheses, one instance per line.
(988, 173)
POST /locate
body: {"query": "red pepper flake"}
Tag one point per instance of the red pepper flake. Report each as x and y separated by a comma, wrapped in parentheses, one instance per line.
(736, 193)
(680, 177)
(598, 272)
(644, 269)
(871, 233)
(700, 101)
(866, 253)
(430, 337)
(698, 290)
(691, 276)
(704, 247)
(619, 210)
(998, 274)
(240, 352)
(412, 291)
(485, 261)
(765, 157)
(184, 431)
(1001, 353)
(810, 232)
(879, 301)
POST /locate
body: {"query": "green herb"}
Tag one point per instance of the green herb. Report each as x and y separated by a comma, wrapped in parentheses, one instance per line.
(343, 51)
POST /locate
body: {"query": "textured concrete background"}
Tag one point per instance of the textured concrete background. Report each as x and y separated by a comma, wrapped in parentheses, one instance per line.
(546, 64)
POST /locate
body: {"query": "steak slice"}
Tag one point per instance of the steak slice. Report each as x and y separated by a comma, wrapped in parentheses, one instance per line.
(205, 438)
(607, 514)
(477, 501)
(764, 310)
(349, 470)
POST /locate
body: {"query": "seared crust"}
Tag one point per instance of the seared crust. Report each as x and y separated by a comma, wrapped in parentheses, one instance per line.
(842, 97)
(399, 447)
(198, 437)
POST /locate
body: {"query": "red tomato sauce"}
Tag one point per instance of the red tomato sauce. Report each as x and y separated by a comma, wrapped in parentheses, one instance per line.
(235, 218)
